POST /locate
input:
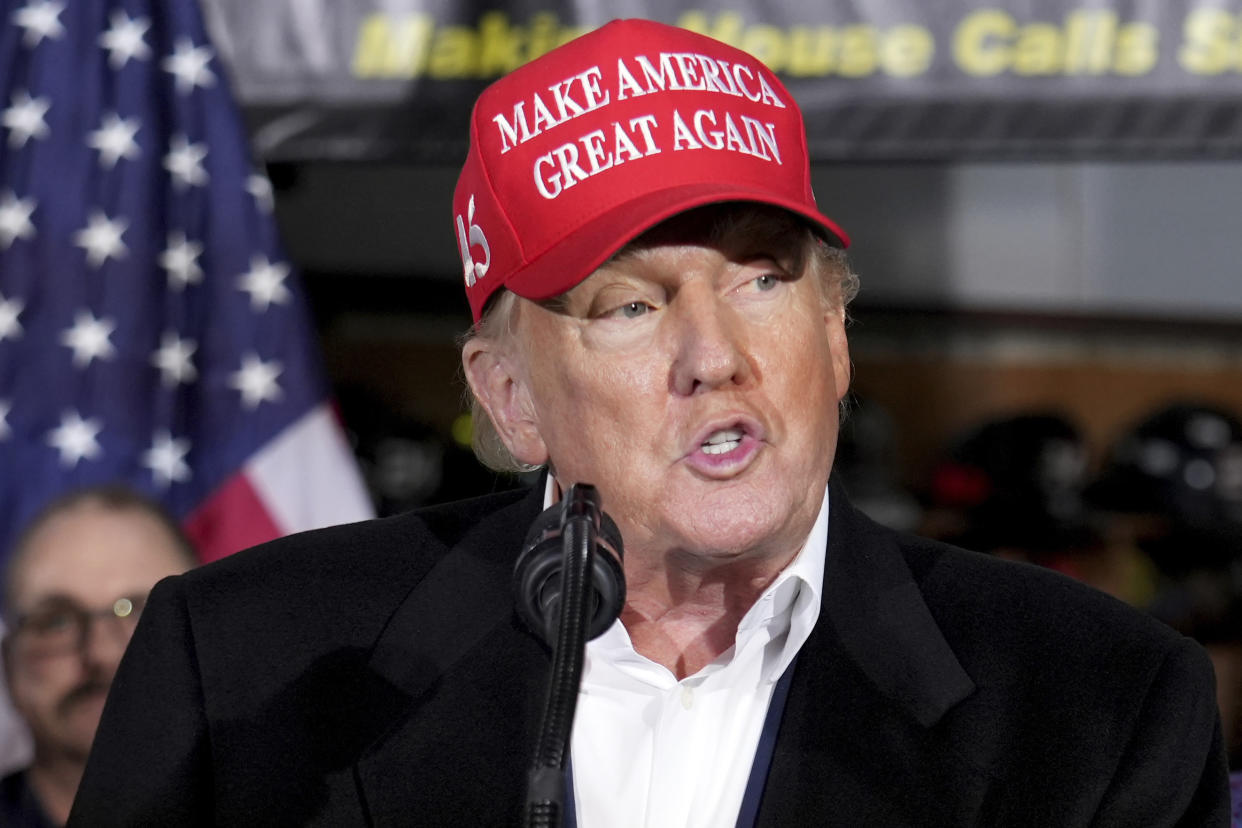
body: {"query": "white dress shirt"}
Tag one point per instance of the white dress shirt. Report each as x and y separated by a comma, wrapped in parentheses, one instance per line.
(649, 750)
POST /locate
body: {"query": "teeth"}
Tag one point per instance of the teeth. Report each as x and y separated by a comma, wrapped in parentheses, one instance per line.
(723, 441)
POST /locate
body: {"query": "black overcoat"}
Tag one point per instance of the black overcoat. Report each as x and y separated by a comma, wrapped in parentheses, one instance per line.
(376, 674)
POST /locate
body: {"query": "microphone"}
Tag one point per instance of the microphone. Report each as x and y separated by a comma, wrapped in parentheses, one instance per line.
(569, 588)
(537, 573)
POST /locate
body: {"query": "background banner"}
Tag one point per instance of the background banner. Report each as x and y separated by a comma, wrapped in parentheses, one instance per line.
(878, 79)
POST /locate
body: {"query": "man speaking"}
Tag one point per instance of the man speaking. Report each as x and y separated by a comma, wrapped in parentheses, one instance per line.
(660, 312)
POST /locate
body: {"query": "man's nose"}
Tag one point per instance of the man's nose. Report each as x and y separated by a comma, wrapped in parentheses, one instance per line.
(104, 642)
(710, 343)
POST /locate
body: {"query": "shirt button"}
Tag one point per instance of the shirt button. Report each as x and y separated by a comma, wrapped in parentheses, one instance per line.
(687, 697)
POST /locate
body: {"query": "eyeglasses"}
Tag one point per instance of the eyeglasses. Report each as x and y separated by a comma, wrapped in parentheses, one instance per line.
(62, 625)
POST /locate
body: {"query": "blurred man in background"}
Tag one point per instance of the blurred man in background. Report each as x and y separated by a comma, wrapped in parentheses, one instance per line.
(73, 590)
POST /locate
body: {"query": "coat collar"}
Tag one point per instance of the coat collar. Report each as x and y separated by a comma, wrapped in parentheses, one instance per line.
(876, 609)
(870, 734)
(464, 596)
(875, 679)
(470, 684)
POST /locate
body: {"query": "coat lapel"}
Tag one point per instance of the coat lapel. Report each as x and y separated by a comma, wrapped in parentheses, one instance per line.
(863, 739)
(472, 684)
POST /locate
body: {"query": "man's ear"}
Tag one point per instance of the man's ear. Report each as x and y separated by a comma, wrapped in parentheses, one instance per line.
(842, 368)
(503, 392)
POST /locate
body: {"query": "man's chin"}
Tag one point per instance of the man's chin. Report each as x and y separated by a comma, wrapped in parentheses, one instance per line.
(743, 520)
(80, 721)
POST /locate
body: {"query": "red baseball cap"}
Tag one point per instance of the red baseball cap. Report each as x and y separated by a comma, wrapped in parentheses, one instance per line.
(579, 151)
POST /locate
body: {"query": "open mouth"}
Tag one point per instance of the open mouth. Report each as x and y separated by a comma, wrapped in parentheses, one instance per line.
(723, 441)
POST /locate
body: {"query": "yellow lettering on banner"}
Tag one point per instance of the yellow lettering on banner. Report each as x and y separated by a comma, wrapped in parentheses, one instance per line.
(1087, 33)
(1211, 42)
(500, 45)
(907, 51)
(1138, 49)
(371, 46)
(545, 34)
(1090, 42)
(768, 44)
(453, 53)
(858, 52)
(392, 47)
(812, 51)
(979, 43)
(852, 51)
(410, 45)
(1038, 50)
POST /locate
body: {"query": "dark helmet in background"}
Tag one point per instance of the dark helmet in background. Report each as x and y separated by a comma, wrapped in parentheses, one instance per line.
(1179, 471)
(1183, 465)
(1018, 483)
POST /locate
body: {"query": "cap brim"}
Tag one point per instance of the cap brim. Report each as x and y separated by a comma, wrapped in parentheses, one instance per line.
(571, 259)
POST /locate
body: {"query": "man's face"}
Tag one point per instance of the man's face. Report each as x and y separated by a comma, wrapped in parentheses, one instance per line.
(696, 384)
(85, 558)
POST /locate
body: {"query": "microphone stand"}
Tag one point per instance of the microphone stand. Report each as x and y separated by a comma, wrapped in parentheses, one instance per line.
(545, 788)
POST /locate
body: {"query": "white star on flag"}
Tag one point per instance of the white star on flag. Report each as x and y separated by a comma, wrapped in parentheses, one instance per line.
(173, 359)
(88, 339)
(40, 19)
(189, 64)
(180, 259)
(115, 140)
(124, 40)
(101, 238)
(256, 380)
(260, 186)
(75, 439)
(185, 161)
(131, 205)
(24, 119)
(15, 219)
(265, 282)
(10, 310)
(166, 459)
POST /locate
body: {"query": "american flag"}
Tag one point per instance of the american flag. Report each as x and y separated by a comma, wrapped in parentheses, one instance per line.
(151, 330)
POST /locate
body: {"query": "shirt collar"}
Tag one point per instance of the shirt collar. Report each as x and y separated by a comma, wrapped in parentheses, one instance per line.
(787, 609)
(791, 602)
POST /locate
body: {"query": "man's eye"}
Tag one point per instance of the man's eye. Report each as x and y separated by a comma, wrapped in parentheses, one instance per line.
(634, 309)
(630, 310)
(767, 281)
(46, 623)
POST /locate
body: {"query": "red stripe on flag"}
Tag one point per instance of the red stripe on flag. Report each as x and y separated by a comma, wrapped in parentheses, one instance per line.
(231, 519)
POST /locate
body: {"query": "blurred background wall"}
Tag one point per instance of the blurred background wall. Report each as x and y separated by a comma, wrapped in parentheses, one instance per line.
(1098, 289)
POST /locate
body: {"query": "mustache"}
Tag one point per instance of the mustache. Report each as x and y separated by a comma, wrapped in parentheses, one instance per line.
(84, 691)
